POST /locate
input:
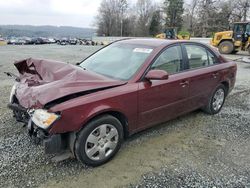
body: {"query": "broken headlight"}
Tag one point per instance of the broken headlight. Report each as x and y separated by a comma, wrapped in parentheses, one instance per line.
(43, 118)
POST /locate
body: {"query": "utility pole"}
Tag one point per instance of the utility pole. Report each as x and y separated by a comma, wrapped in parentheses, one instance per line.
(121, 27)
(124, 6)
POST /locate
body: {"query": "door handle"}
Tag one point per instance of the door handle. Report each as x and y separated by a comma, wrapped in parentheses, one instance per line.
(184, 83)
(215, 75)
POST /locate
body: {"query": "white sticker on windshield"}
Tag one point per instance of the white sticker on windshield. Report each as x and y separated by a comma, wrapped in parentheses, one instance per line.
(143, 50)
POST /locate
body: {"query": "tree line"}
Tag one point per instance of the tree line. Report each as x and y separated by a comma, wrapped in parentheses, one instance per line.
(199, 18)
(45, 31)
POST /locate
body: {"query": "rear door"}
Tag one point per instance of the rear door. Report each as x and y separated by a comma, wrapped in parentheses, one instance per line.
(204, 73)
(161, 100)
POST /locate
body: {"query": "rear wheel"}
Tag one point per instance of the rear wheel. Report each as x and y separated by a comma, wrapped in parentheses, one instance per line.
(216, 101)
(99, 141)
(226, 47)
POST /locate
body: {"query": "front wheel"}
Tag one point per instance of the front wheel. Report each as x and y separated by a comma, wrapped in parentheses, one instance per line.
(216, 101)
(99, 141)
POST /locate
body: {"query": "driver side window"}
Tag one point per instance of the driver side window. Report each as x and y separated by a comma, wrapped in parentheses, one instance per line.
(170, 60)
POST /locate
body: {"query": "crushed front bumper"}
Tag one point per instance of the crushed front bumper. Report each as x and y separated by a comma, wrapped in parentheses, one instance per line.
(20, 113)
(52, 143)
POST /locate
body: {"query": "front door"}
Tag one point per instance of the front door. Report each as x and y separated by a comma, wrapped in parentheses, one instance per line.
(161, 100)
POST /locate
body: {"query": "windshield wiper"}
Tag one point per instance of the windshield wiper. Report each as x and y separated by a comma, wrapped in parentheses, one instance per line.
(84, 68)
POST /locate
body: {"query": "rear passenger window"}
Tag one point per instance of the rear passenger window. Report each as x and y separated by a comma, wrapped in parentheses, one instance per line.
(199, 57)
(170, 60)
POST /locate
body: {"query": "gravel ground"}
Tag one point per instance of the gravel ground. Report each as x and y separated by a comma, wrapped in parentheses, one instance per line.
(195, 150)
(24, 164)
(228, 166)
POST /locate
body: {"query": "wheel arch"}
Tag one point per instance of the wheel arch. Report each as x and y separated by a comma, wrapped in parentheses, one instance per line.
(226, 85)
(117, 114)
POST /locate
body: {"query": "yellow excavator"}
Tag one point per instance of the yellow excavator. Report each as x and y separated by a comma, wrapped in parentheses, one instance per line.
(170, 33)
(230, 42)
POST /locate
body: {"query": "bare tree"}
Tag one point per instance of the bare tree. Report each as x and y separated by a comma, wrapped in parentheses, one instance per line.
(193, 7)
(110, 17)
(122, 7)
(241, 10)
(144, 9)
(205, 10)
(201, 17)
(190, 16)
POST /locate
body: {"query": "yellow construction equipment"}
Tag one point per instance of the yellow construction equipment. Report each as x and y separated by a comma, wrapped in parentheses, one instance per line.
(2, 41)
(230, 42)
(170, 33)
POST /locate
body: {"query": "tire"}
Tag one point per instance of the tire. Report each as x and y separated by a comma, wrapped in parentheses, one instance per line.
(99, 141)
(213, 106)
(226, 47)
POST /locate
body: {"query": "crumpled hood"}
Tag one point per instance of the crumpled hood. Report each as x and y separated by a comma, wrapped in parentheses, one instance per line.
(43, 81)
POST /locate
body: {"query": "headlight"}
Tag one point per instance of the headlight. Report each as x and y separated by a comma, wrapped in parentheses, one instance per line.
(43, 118)
(12, 92)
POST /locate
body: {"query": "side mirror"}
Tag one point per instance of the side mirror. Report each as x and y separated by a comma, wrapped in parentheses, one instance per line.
(157, 75)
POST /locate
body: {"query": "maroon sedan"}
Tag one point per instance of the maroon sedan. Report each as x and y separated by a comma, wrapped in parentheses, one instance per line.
(121, 89)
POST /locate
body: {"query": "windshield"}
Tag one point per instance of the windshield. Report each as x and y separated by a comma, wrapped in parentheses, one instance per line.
(119, 61)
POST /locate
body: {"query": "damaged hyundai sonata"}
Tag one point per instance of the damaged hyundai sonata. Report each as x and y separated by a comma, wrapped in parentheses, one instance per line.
(127, 86)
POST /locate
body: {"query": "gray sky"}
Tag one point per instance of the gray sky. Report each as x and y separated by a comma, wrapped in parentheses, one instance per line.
(79, 13)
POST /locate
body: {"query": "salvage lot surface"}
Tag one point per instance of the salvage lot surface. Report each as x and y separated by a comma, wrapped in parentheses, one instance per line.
(194, 150)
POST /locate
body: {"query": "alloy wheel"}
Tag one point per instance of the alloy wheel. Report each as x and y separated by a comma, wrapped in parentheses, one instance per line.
(101, 142)
(218, 99)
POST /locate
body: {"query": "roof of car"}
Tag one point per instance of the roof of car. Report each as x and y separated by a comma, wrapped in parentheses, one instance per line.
(154, 43)
(148, 41)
